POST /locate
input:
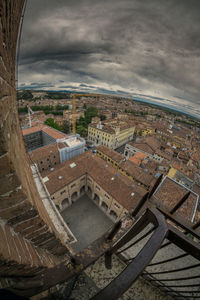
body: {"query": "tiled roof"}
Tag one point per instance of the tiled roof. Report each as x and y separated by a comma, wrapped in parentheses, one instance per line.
(107, 129)
(196, 155)
(188, 171)
(115, 184)
(170, 193)
(109, 126)
(144, 147)
(164, 154)
(31, 130)
(46, 129)
(64, 174)
(110, 153)
(137, 173)
(138, 158)
(53, 133)
(128, 166)
(43, 152)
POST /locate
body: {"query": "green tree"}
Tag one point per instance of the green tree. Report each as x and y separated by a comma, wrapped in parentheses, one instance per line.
(82, 121)
(81, 130)
(51, 122)
(66, 127)
(90, 112)
(102, 117)
(25, 95)
(22, 109)
(62, 107)
(42, 107)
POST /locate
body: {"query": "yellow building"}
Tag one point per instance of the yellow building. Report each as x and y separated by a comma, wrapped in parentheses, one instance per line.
(143, 130)
(172, 173)
(181, 176)
(126, 167)
(112, 133)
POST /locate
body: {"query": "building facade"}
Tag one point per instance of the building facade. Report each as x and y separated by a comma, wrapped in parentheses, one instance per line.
(132, 171)
(112, 133)
(111, 192)
(48, 147)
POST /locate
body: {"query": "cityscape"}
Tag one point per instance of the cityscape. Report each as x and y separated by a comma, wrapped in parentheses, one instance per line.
(99, 150)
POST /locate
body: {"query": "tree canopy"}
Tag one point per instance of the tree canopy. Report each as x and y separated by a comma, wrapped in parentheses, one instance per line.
(51, 122)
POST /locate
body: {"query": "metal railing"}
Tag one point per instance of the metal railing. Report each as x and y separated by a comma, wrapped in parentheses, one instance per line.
(157, 245)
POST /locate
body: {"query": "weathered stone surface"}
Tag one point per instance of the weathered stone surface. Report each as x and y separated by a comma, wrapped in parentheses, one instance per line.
(12, 199)
(23, 217)
(20, 203)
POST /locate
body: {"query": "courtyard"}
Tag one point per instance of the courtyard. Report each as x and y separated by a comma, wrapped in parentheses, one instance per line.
(86, 221)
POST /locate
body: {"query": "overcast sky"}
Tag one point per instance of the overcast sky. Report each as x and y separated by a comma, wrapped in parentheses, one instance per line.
(148, 47)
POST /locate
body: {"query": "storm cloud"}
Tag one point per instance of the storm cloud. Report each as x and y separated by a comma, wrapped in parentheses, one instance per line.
(132, 46)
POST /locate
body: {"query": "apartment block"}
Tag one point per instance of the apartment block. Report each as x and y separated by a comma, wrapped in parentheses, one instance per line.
(112, 134)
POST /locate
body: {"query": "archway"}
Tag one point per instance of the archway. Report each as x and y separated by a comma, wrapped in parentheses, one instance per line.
(104, 206)
(96, 199)
(74, 196)
(113, 214)
(58, 207)
(89, 191)
(82, 190)
(65, 203)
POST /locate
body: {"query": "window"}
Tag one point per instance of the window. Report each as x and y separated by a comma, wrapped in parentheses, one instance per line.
(41, 162)
(64, 191)
(106, 196)
(73, 185)
(47, 159)
(97, 188)
(116, 205)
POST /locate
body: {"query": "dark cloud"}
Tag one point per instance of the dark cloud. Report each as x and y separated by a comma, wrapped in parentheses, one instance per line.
(131, 46)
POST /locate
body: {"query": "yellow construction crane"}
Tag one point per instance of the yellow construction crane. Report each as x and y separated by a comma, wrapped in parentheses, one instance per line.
(74, 114)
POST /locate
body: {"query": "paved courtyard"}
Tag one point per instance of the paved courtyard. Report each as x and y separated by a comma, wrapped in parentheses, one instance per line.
(86, 221)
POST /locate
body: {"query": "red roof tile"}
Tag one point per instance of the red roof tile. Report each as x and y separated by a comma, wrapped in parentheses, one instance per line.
(115, 184)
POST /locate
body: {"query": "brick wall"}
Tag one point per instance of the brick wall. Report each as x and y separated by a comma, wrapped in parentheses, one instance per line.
(27, 235)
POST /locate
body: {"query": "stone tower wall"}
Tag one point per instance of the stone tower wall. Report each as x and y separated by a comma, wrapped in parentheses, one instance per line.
(28, 239)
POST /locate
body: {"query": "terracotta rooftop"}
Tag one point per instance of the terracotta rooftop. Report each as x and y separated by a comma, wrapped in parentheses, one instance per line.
(164, 154)
(53, 133)
(110, 125)
(137, 158)
(138, 173)
(31, 130)
(144, 147)
(43, 152)
(46, 129)
(63, 174)
(106, 128)
(128, 166)
(188, 171)
(115, 184)
(110, 153)
(169, 193)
